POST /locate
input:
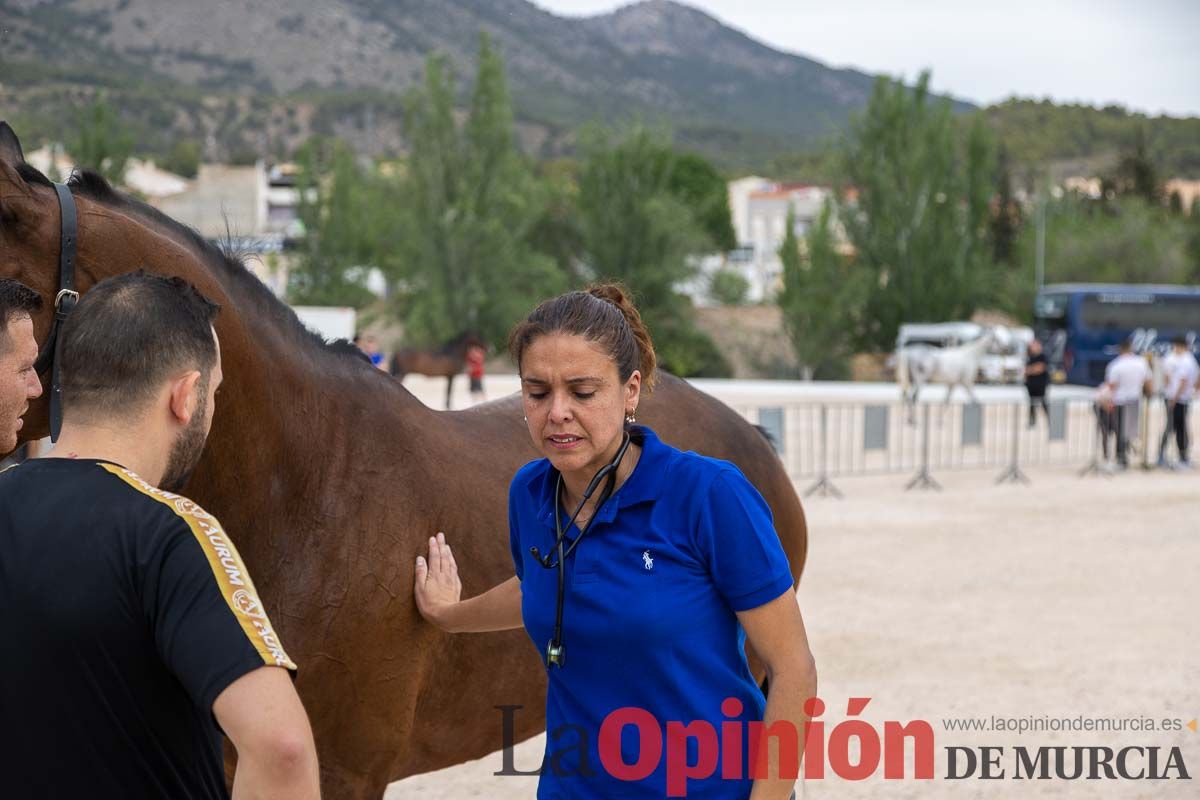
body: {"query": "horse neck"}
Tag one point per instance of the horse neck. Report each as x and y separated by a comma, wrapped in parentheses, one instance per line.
(300, 450)
(294, 422)
(979, 346)
(309, 394)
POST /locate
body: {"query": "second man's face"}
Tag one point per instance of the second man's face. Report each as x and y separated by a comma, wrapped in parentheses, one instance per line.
(19, 382)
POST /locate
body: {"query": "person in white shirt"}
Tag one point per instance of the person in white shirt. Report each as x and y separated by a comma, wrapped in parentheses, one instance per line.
(1182, 377)
(1162, 368)
(1128, 377)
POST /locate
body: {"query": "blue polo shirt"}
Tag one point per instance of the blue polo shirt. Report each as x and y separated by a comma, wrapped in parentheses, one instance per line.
(649, 614)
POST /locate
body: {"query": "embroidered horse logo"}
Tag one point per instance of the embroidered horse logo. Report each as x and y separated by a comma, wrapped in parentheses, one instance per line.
(647, 560)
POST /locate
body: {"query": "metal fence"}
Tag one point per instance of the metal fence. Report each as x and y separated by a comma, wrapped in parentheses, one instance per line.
(821, 441)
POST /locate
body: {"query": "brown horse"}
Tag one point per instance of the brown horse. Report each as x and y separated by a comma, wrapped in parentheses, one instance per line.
(331, 476)
(446, 362)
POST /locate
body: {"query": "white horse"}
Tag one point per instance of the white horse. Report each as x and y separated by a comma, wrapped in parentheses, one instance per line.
(918, 365)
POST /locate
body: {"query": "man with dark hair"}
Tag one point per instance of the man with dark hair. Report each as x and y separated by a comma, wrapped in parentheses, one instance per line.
(131, 628)
(18, 380)
(1182, 374)
(1128, 377)
(1037, 378)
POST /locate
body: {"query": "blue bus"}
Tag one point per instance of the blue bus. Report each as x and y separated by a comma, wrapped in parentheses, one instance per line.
(1081, 324)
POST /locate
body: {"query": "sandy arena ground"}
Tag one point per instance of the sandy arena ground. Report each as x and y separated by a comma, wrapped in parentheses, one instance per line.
(1070, 597)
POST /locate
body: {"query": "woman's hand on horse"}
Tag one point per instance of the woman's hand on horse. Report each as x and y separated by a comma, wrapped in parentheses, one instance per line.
(437, 588)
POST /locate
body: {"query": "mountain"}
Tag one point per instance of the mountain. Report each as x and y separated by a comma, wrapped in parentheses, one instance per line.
(1081, 140)
(249, 75)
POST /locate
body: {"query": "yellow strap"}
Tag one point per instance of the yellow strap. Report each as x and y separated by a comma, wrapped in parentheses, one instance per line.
(227, 568)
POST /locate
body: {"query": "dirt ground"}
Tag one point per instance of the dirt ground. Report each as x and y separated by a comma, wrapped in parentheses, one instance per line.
(1070, 597)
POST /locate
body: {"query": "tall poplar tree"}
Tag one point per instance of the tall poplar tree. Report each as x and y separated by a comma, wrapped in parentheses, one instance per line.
(636, 229)
(101, 142)
(821, 299)
(920, 222)
(470, 206)
(344, 207)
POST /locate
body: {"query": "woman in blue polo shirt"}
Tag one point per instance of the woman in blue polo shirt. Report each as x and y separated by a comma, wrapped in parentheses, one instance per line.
(640, 572)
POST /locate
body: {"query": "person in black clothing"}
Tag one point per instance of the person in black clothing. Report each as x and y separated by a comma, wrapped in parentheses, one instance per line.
(133, 634)
(1036, 379)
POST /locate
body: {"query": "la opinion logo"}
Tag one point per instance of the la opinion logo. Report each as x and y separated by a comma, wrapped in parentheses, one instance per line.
(722, 747)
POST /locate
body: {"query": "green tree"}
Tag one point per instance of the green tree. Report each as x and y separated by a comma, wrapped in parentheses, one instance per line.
(696, 182)
(1192, 244)
(471, 204)
(728, 287)
(819, 162)
(557, 233)
(344, 210)
(101, 142)
(1042, 132)
(1136, 174)
(637, 231)
(1121, 241)
(1175, 203)
(184, 158)
(921, 218)
(1006, 216)
(821, 300)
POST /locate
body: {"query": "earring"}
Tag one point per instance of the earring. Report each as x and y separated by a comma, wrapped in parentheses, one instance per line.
(525, 418)
(630, 418)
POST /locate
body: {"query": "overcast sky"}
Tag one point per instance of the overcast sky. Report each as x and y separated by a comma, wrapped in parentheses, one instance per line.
(1142, 54)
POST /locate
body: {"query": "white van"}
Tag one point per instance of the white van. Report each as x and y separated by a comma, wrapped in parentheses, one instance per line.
(1004, 361)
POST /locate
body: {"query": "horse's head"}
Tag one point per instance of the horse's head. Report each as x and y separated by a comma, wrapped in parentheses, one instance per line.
(1000, 337)
(29, 242)
(988, 338)
(29, 226)
(111, 239)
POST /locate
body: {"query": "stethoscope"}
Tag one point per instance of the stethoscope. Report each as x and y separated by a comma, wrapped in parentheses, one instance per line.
(556, 654)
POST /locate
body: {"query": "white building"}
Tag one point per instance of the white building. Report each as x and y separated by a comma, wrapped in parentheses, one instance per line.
(760, 211)
(256, 209)
(143, 178)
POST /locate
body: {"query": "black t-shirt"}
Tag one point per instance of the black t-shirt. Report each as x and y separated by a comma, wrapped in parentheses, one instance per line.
(1037, 383)
(124, 612)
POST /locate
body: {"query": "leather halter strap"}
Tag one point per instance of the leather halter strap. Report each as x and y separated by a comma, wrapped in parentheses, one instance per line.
(64, 303)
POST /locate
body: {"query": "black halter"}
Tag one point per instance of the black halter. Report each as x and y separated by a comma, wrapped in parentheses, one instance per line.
(64, 302)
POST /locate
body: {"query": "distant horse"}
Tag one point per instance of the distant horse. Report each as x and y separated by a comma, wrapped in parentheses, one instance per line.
(446, 362)
(346, 476)
(918, 365)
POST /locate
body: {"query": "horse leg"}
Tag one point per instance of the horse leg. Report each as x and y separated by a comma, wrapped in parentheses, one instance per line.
(913, 395)
(970, 387)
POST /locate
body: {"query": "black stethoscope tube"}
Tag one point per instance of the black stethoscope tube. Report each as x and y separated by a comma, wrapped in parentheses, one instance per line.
(555, 652)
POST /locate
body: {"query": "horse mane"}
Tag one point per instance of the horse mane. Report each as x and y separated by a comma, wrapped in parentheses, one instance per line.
(223, 259)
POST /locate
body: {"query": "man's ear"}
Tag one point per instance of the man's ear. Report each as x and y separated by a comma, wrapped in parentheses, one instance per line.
(185, 396)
